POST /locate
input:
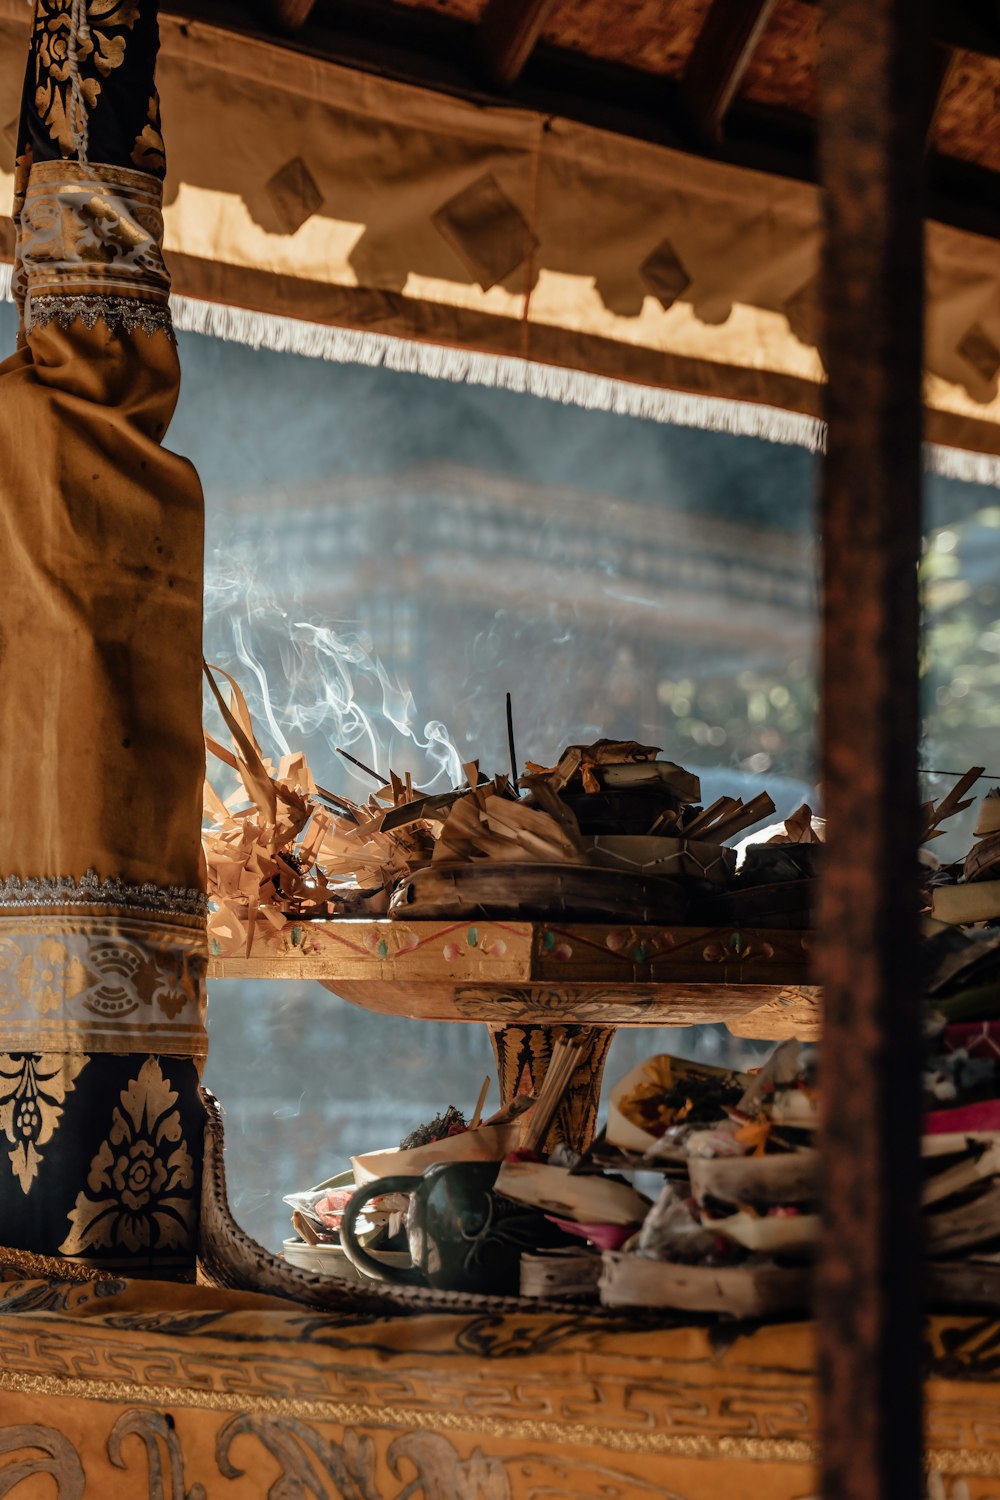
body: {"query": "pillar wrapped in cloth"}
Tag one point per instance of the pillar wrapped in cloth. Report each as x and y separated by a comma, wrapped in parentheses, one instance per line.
(102, 906)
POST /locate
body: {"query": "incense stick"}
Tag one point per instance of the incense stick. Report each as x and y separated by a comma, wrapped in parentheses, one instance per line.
(362, 767)
(510, 746)
(983, 775)
(562, 1066)
(477, 1113)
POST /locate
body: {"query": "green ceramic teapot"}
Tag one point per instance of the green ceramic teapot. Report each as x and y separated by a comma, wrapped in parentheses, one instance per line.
(463, 1236)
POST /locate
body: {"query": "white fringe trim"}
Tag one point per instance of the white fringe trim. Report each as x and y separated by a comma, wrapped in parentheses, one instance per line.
(958, 463)
(553, 383)
(571, 387)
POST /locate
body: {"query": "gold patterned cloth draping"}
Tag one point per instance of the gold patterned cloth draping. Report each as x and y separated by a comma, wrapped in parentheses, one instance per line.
(125, 1390)
(102, 905)
(344, 214)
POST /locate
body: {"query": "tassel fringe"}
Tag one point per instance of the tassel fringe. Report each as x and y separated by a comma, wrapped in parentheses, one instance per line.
(553, 383)
(571, 387)
(958, 463)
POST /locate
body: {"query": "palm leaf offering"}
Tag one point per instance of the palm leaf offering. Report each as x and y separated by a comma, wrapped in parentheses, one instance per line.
(626, 825)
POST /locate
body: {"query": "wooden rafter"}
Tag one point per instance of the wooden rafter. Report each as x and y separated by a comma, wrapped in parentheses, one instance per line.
(943, 63)
(719, 59)
(289, 15)
(507, 35)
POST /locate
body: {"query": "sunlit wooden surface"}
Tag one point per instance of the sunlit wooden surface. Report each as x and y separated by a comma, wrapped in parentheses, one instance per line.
(755, 980)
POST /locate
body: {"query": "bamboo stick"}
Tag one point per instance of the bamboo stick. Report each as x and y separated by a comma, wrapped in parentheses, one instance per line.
(562, 1066)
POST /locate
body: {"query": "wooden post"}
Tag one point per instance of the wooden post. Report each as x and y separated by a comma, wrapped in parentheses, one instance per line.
(872, 127)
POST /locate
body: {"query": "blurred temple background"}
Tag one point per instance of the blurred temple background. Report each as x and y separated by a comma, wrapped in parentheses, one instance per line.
(388, 555)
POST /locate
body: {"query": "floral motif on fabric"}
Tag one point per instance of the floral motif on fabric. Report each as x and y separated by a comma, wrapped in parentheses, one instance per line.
(99, 46)
(47, 974)
(91, 983)
(148, 151)
(33, 1088)
(140, 1187)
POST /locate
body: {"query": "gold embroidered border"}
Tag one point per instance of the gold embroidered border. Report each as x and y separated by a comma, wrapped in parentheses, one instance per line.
(362, 1414)
(51, 1267)
(120, 1041)
(90, 231)
(102, 982)
(96, 895)
(983, 1463)
(50, 173)
(978, 1462)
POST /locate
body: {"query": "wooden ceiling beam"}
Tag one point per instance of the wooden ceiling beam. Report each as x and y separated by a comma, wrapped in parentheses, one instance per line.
(507, 35)
(943, 64)
(289, 15)
(720, 57)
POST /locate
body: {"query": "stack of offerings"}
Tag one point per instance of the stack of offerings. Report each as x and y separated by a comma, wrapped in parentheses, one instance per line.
(961, 1142)
(611, 832)
(968, 891)
(960, 960)
(735, 1228)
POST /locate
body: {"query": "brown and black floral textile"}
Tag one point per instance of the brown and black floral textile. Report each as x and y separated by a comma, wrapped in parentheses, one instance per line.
(102, 906)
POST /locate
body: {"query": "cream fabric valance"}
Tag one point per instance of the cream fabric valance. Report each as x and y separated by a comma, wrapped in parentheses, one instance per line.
(316, 208)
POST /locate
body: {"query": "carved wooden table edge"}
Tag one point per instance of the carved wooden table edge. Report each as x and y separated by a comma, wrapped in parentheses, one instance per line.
(520, 953)
(534, 981)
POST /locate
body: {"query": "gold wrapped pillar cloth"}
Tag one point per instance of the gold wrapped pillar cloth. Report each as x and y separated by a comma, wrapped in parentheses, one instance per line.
(102, 906)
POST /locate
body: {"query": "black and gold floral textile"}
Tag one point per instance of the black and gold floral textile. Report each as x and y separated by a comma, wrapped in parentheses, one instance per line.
(90, 98)
(115, 53)
(100, 1158)
(102, 905)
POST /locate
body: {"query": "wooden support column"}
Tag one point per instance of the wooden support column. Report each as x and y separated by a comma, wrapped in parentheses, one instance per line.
(873, 121)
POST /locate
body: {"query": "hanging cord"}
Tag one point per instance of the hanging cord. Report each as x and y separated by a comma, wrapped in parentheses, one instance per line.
(79, 35)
